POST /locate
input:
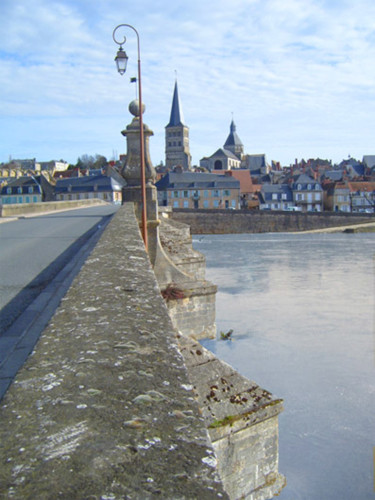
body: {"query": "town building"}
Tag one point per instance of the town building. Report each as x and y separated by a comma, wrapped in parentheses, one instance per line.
(181, 189)
(27, 189)
(248, 191)
(276, 197)
(337, 197)
(104, 187)
(362, 196)
(307, 194)
(177, 148)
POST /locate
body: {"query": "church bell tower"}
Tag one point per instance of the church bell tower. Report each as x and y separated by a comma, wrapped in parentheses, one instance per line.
(177, 149)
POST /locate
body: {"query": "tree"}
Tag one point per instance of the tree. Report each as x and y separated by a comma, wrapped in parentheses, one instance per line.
(100, 161)
(89, 161)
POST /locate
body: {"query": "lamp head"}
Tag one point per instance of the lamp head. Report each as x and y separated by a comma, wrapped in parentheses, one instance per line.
(121, 60)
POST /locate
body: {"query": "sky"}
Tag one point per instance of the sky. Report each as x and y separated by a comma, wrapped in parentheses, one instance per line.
(297, 76)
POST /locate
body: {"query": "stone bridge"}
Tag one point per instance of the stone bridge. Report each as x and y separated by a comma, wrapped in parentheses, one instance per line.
(118, 399)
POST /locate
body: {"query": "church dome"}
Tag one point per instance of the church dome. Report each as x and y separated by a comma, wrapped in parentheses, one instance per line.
(233, 139)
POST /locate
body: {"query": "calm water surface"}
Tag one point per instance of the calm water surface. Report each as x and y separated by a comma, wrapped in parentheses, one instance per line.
(302, 310)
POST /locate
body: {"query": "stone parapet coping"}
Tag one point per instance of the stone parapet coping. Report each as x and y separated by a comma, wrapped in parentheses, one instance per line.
(226, 398)
(24, 209)
(104, 407)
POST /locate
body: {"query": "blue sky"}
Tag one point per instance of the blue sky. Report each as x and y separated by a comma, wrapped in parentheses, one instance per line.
(298, 76)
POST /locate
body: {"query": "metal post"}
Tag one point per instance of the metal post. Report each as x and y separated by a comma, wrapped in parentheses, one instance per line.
(141, 136)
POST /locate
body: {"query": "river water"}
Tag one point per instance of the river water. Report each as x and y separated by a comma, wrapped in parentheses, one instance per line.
(302, 310)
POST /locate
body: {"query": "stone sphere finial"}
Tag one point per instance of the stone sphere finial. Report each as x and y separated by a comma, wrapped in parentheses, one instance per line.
(134, 108)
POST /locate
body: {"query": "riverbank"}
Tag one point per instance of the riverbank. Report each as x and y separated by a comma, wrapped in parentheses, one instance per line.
(241, 221)
(354, 228)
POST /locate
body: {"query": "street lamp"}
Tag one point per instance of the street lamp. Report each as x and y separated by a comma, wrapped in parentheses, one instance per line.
(121, 60)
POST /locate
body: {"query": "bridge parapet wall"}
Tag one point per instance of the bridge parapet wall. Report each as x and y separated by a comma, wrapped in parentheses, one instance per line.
(104, 407)
(17, 209)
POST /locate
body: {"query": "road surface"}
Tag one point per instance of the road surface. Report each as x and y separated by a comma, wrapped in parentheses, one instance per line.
(34, 249)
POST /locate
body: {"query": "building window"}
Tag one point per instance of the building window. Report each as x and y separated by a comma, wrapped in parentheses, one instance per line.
(233, 203)
(205, 204)
(317, 196)
(205, 194)
(175, 194)
(274, 196)
(299, 187)
(216, 203)
(186, 204)
(186, 194)
(19, 190)
(9, 190)
(299, 197)
(216, 193)
(31, 189)
(226, 192)
(309, 187)
(284, 196)
(20, 199)
(35, 199)
(175, 204)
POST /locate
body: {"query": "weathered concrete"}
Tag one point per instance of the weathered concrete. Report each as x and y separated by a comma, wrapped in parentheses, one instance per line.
(236, 221)
(12, 210)
(104, 407)
(242, 419)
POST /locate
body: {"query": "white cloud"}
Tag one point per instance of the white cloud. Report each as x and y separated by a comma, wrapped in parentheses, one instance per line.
(298, 76)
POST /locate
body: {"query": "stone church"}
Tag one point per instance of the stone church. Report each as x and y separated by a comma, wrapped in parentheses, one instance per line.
(229, 156)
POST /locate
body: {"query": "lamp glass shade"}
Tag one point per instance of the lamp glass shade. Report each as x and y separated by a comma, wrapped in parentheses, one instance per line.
(121, 61)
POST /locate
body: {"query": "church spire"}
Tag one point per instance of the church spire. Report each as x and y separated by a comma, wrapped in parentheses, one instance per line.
(177, 150)
(177, 117)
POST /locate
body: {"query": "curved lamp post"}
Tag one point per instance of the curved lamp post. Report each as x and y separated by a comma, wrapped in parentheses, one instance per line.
(121, 62)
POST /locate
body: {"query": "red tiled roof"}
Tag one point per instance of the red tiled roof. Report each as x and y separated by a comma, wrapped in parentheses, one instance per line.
(362, 186)
(246, 184)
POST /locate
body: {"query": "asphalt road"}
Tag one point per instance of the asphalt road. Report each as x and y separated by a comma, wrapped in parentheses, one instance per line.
(34, 249)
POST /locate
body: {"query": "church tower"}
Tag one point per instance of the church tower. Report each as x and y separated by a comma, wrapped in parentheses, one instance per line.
(233, 142)
(177, 150)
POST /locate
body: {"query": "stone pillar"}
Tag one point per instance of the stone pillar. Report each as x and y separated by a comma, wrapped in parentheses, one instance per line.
(195, 313)
(132, 168)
